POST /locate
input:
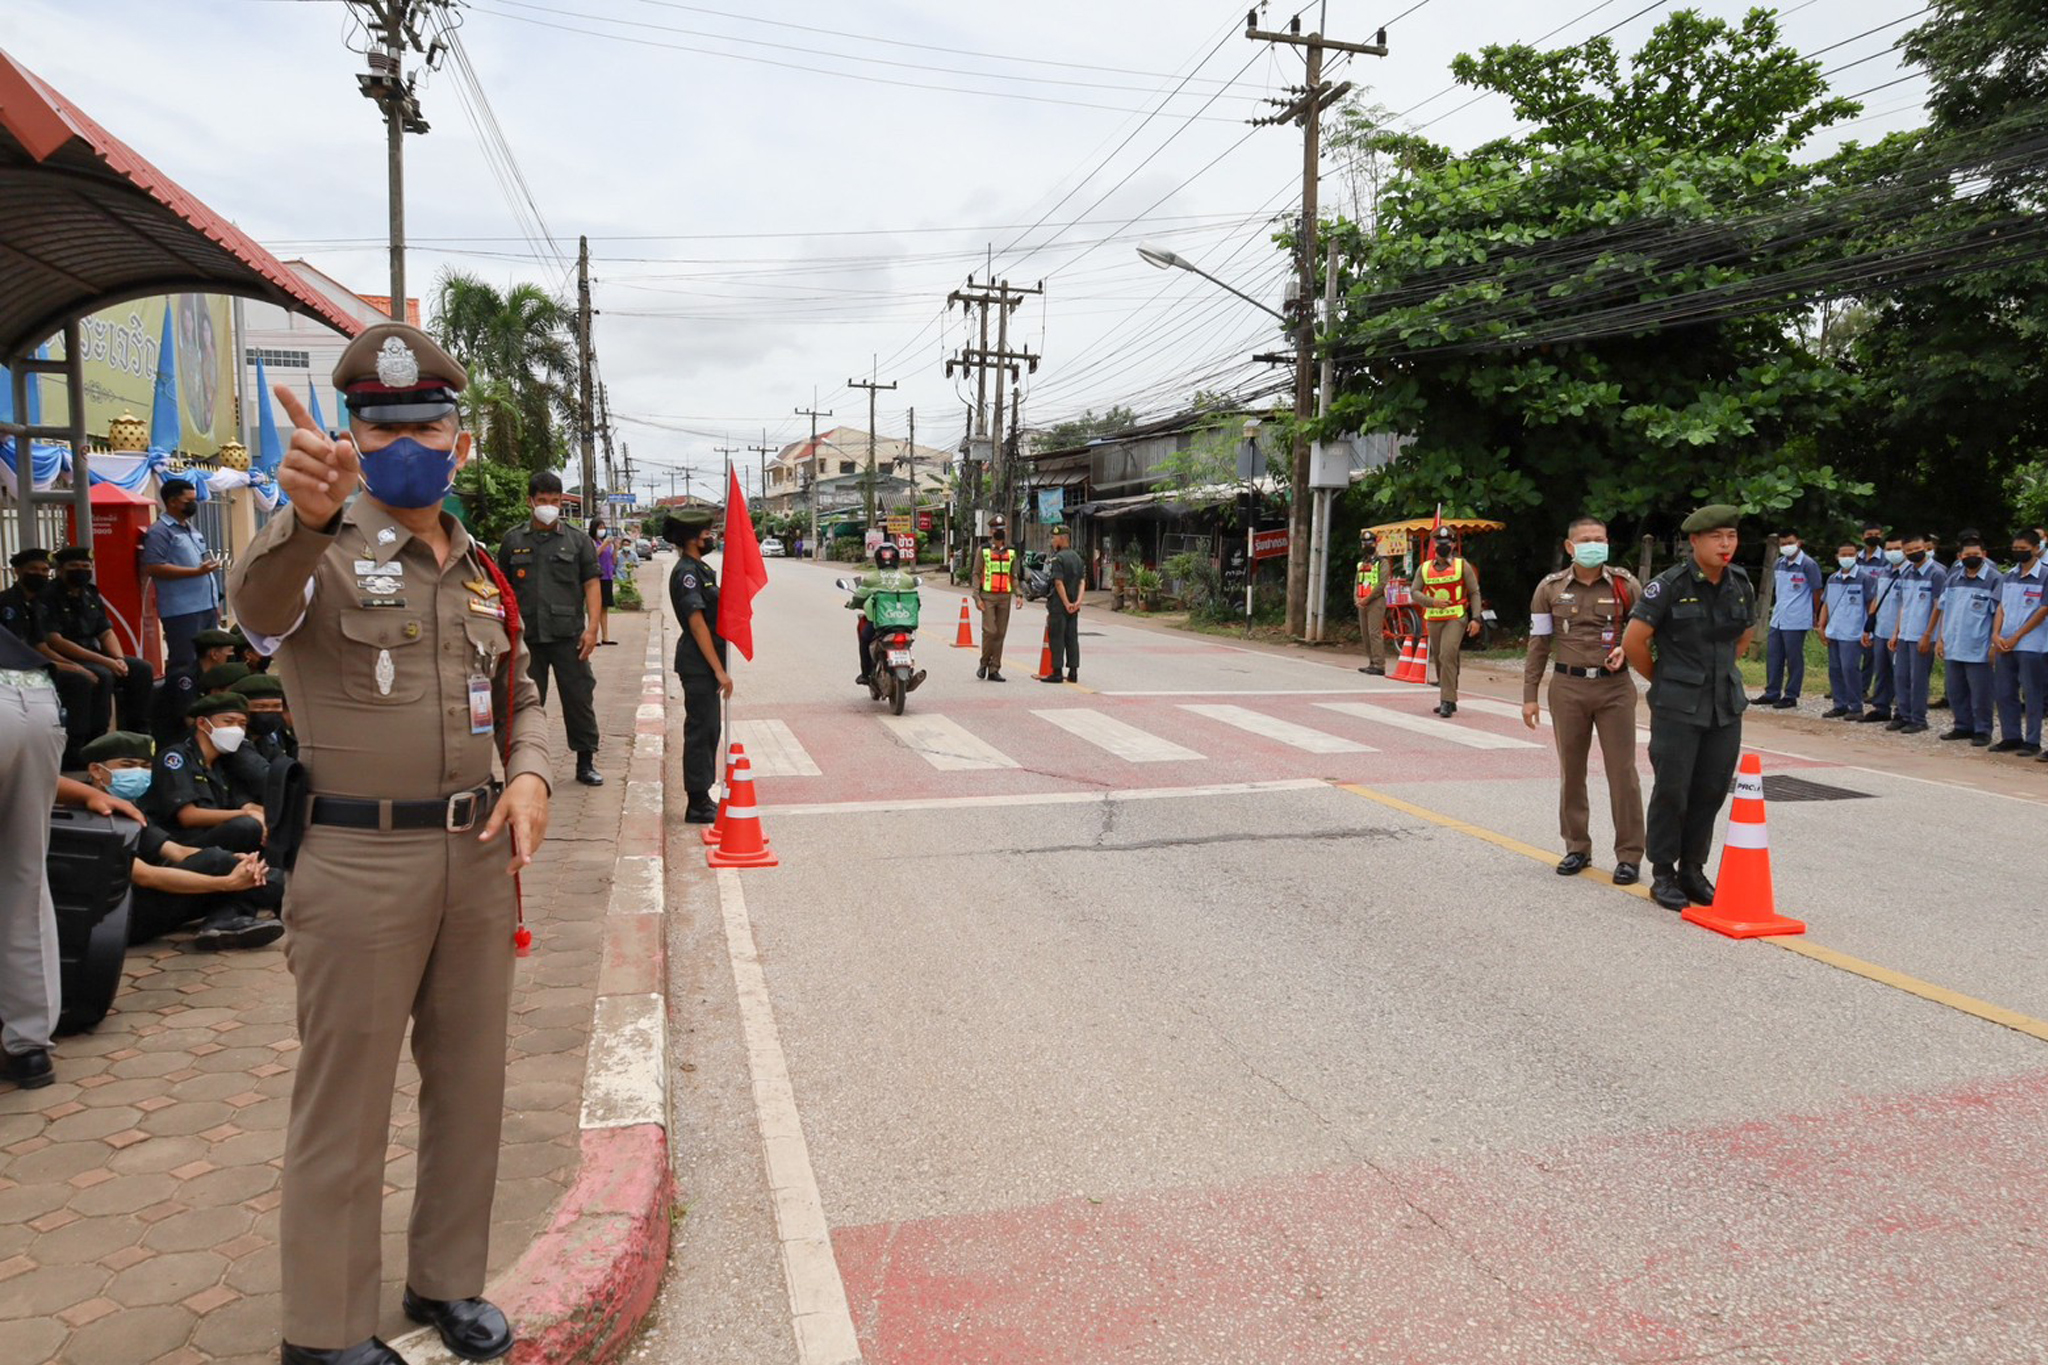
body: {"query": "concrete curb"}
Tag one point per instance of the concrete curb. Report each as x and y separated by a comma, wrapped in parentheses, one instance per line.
(579, 1292)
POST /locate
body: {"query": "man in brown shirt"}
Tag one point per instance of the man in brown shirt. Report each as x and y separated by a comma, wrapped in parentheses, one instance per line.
(392, 636)
(1578, 614)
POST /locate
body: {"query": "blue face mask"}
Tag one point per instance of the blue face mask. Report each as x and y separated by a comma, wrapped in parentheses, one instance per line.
(1590, 554)
(128, 783)
(408, 474)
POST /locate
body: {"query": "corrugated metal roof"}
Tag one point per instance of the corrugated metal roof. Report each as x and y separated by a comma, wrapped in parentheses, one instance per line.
(86, 221)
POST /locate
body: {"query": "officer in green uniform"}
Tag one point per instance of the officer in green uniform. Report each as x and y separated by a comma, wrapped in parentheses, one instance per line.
(205, 791)
(1692, 625)
(553, 569)
(700, 655)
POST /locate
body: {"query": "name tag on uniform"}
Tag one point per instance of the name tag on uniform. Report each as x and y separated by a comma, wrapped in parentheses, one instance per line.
(479, 704)
(381, 601)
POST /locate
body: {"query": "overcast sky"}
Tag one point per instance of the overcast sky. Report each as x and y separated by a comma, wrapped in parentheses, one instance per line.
(780, 195)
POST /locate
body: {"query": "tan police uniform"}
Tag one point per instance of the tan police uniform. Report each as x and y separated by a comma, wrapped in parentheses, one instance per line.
(1449, 597)
(1369, 591)
(399, 669)
(1573, 627)
(998, 575)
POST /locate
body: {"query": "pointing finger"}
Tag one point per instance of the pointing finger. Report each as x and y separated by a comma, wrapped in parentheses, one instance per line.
(296, 410)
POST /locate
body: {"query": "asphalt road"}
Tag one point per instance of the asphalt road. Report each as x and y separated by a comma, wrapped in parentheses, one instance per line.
(1227, 1009)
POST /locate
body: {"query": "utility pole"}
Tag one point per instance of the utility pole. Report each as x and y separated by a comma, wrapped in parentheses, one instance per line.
(672, 484)
(872, 387)
(393, 26)
(1002, 361)
(764, 450)
(728, 452)
(811, 467)
(585, 411)
(604, 431)
(910, 455)
(1306, 108)
(626, 457)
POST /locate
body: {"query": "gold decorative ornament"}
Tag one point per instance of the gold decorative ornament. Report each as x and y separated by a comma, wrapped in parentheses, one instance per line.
(234, 455)
(128, 434)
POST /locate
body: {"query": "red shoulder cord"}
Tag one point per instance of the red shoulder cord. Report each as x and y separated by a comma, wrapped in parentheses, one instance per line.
(522, 937)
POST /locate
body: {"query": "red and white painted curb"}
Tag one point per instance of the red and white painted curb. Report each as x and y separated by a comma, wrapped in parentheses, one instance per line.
(581, 1289)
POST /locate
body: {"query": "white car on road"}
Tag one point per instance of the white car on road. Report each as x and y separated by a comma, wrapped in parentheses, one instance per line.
(772, 547)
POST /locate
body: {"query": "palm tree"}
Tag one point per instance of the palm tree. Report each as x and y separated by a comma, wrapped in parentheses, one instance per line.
(519, 350)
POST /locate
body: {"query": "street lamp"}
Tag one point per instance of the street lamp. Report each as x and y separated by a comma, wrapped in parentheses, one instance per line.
(1164, 259)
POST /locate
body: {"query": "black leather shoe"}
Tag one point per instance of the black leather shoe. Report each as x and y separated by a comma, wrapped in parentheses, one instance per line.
(1627, 874)
(586, 771)
(1898, 724)
(1694, 883)
(1073, 675)
(1785, 703)
(996, 675)
(1981, 740)
(371, 1352)
(1765, 699)
(1049, 677)
(30, 1070)
(1882, 715)
(1664, 890)
(1572, 864)
(472, 1328)
(702, 810)
(247, 931)
(2008, 746)
(1913, 727)
(981, 671)
(1834, 713)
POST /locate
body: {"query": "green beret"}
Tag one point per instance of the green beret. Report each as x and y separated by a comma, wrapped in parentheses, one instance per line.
(1714, 517)
(117, 744)
(694, 518)
(213, 703)
(72, 554)
(236, 638)
(213, 639)
(221, 677)
(259, 685)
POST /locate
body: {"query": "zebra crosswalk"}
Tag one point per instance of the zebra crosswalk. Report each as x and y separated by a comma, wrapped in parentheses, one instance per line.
(983, 740)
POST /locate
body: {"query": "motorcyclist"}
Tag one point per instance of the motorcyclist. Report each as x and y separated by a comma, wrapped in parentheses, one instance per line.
(888, 576)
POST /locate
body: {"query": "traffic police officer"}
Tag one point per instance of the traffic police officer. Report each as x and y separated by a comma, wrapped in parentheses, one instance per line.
(1699, 615)
(393, 636)
(1371, 597)
(1449, 591)
(700, 656)
(996, 583)
(1579, 614)
(553, 569)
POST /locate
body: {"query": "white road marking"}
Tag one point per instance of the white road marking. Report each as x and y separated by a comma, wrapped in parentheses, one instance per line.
(819, 1316)
(1284, 731)
(1513, 712)
(1106, 732)
(1357, 691)
(946, 744)
(1434, 726)
(1071, 798)
(773, 750)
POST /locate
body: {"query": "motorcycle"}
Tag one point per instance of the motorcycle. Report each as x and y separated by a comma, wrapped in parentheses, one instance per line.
(892, 673)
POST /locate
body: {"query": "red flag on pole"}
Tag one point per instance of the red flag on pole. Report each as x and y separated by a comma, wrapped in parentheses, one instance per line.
(746, 573)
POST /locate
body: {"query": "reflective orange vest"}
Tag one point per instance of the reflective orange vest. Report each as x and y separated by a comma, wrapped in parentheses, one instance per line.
(1448, 581)
(995, 570)
(1368, 577)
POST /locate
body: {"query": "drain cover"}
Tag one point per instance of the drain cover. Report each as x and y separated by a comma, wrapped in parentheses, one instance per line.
(1778, 787)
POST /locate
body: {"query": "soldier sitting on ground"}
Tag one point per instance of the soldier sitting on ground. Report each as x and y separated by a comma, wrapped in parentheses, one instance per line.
(201, 791)
(271, 736)
(181, 686)
(176, 883)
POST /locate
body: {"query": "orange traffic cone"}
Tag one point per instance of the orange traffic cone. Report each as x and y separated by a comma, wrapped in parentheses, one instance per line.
(715, 831)
(964, 639)
(741, 844)
(1744, 906)
(1418, 671)
(1045, 653)
(1404, 669)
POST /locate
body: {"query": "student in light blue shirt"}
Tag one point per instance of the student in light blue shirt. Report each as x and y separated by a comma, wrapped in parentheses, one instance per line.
(2019, 648)
(1884, 620)
(1795, 601)
(1968, 603)
(1870, 559)
(1845, 625)
(175, 558)
(1917, 584)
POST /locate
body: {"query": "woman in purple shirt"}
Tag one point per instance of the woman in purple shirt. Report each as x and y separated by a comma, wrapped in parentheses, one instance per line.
(607, 569)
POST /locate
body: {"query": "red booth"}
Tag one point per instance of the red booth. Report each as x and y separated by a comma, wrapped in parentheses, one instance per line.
(119, 521)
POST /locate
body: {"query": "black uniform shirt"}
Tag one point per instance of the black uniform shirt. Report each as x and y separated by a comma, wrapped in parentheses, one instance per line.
(548, 570)
(76, 614)
(180, 690)
(1698, 625)
(22, 613)
(693, 587)
(183, 778)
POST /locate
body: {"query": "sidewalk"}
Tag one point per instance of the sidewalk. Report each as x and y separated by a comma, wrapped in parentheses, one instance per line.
(139, 1194)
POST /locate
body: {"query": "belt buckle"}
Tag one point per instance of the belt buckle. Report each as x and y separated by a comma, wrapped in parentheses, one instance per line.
(467, 803)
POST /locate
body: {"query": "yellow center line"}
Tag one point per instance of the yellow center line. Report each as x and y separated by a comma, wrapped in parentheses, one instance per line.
(1803, 946)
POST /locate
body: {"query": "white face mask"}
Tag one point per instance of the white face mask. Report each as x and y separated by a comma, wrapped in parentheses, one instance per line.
(1894, 556)
(227, 738)
(547, 514)
(1789, 550)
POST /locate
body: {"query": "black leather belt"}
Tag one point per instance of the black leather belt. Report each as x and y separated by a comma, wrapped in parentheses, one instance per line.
(457, 814)
(1571, 672)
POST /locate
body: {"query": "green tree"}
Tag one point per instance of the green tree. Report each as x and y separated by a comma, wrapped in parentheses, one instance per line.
(1960, 367)
(520, 352)
(1470, 303)
(1080, 430)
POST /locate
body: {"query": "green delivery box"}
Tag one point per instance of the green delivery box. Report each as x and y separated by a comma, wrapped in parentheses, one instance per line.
(894, 610)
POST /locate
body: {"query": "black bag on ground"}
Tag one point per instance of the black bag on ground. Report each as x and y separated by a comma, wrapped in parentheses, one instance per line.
(91, 859)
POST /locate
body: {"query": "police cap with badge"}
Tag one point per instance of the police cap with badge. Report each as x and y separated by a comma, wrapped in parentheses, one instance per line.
(394, 374)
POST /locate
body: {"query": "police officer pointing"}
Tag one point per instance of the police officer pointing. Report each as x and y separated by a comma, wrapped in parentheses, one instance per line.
(1695, 620)
(700, 656)
(393, 636)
